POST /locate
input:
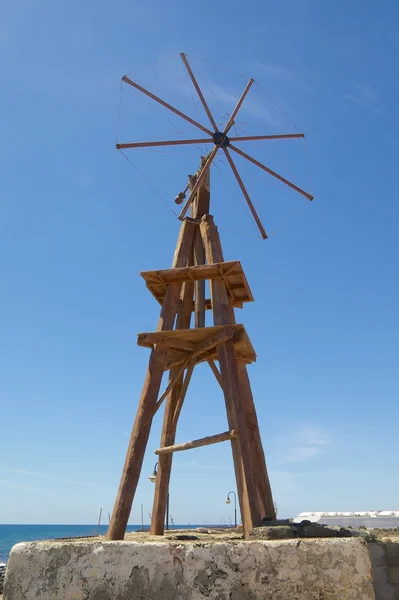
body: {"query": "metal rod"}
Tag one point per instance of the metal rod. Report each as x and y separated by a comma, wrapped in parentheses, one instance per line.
(99, 521)
(238, 106)
(198, 182)
(167, 513)
(244, 191)
(165, 104)
(163, 143)
(198, 90)
(283, 136)
(235, 506)
(258, 164)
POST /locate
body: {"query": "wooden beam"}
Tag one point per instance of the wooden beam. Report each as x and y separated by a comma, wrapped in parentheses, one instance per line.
(273, 173)
(250, 138)
(145, 411)
(180, 400)
(173, 406)
(246, 195)
(200, 178)
(223, 313)
(165, 104)
(198, 90)
(216, 372)
(198, 208)
(261, 477)
(206, 441)
(162, 143)
(238, 106)
(213, 340)
(144, 339)
(172, 382)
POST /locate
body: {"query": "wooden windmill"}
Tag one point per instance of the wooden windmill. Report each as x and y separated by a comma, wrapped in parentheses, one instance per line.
(177, 347)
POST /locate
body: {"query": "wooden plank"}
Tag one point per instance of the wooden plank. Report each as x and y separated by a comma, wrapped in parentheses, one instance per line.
(145, 411)
(183, 392)
(172, 383)
(194, 272)
(199, 286)
(172, 410)
(206, 441)
(216, 372)
(242, 346)
(231, 272)
(214, 340)
(261, 477)
(223, 314)
(165, 104)
(150, 339)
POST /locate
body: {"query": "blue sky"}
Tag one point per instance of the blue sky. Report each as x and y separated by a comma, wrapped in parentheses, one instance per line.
(78, 224)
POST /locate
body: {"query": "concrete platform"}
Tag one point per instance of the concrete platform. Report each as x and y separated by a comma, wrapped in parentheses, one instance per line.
(332, 569)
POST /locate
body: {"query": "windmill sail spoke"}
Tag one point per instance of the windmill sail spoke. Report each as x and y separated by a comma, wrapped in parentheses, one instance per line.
(198, 90)
(163, 143)
(271, 172)
(246, 195)
(238, 106)
(165, 104)
(250, 138)
(201, 176)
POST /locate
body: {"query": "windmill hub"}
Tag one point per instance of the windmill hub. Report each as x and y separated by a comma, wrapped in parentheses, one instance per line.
(220, 139)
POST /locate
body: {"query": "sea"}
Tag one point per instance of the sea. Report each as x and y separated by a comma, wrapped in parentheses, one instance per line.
(13, 534)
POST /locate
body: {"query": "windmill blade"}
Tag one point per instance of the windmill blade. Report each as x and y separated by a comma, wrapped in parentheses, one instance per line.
(238, 106)
(279, 177)
(246, 195)
(254, 138)
(165, 104)
(201, 176)
(162, 143)
(198, 90)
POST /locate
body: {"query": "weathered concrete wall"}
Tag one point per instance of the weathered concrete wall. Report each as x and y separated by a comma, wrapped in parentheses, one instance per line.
(336, 569)
(385, 563)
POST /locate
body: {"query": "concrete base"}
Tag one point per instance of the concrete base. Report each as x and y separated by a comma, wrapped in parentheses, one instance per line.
(332, 569)
(385, 563)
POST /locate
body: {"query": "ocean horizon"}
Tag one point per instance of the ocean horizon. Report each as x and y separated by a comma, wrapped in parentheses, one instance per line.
(14, 534)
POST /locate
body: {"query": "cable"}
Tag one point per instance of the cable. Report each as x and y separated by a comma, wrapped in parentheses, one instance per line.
(217, 66)
(147, 182)
(278, 107)
(152, 64)
(119, 115)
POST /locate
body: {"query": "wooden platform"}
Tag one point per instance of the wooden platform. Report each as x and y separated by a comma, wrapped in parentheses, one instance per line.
(231, 273)
(198, 345)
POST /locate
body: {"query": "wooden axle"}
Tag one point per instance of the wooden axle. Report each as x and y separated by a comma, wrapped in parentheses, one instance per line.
(206, 441)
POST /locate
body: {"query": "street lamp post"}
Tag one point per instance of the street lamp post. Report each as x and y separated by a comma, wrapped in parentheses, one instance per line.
(153, 479)
(235, 506)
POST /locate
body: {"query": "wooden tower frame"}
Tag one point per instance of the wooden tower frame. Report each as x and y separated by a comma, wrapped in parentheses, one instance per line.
(177, 347)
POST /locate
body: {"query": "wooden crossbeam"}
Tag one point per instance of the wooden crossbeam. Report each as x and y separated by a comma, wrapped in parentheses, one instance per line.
(171, 384)
(230, 272)
(206, 441)
(216, 372)
(213, 340)
(146, 339)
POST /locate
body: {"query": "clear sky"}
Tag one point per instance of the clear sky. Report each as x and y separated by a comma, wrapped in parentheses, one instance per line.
(78, 224)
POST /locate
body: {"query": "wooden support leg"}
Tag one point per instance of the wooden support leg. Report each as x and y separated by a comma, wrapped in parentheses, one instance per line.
(199, 259)
(265, 498)
(142, 424)
(173, 404)
(223, 314)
